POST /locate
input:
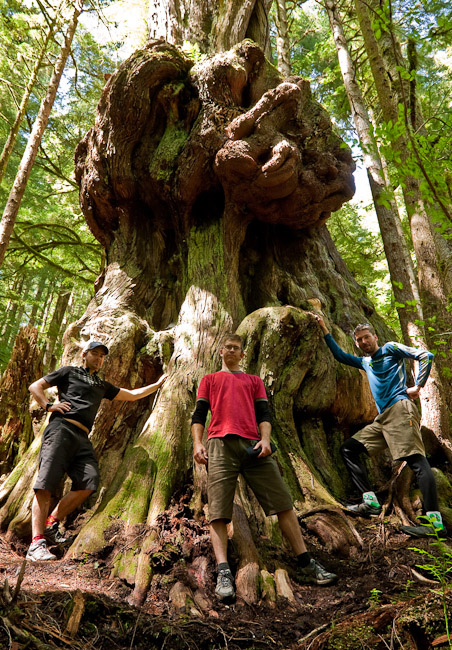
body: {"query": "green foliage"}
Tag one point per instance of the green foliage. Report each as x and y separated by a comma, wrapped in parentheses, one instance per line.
(375, 597)
(362, 251)
(52, 249)
(440, 567)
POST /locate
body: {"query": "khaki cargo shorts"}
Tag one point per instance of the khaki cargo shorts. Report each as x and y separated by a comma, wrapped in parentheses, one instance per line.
(227, 459)
(397, 428)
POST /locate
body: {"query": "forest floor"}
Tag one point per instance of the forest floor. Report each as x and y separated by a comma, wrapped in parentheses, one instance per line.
(379, 601)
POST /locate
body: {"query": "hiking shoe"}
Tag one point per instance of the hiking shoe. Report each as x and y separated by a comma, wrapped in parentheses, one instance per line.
(225, 589)
(364, 509)
(424, 531)
(315, 574)
(53, 535)
(38, 552)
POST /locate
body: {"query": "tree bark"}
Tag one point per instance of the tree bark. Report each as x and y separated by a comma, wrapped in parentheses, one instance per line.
(212, 27)
(17, 192)
(24, 367)
(55, 326)
(282, 41)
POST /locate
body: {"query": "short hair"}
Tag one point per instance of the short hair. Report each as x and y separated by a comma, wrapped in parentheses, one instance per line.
(363, 326)
(231, 337)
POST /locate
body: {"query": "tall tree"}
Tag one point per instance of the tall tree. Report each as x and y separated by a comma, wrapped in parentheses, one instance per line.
(14, 200)
(282, 40)
(434, 295)
(11, 139)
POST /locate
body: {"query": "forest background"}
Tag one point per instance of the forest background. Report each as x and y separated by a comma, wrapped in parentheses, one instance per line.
(382, 70)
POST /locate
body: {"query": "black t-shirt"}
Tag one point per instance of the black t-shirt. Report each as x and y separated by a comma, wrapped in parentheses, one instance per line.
(82, 390)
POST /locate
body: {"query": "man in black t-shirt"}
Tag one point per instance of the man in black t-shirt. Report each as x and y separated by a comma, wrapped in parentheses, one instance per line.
(66, 448)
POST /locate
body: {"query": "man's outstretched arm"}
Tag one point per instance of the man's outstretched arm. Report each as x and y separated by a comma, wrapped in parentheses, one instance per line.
(338, 353)
(132, 395)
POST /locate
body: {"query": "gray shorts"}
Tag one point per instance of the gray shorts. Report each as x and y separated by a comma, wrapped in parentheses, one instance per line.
(227, 459)
(397, 428)
(66, 449)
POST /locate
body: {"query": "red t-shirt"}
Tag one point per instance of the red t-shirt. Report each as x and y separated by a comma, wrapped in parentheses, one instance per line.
(231, 396)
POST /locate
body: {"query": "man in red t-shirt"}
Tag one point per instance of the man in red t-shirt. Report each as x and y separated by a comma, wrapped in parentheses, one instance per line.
(238, 441)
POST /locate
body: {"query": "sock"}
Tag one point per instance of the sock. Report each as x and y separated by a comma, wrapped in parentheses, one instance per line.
(303, 559)
(37, 538)
(435, 518)
(223, 566)
(51, 520)
(370, 498)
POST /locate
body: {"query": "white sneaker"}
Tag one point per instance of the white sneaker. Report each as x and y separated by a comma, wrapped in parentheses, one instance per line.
(39, 552)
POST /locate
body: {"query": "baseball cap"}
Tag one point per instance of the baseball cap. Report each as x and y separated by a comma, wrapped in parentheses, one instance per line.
(96, 344)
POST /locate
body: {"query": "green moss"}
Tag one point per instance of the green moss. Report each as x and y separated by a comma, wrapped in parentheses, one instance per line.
(164, 159)
(356, 638)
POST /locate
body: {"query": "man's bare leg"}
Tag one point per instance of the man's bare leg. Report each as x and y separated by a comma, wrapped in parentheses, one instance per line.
(225, 589)
(40, 511)
(290, 528)
(219, 538)
(69, 503)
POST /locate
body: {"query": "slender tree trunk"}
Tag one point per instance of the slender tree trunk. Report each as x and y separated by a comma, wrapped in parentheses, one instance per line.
(10, 141)
(409, 309)
(282, 40)
(13, 304)
(37, 299)
(15, 197)
(47, 307)
(55, 325)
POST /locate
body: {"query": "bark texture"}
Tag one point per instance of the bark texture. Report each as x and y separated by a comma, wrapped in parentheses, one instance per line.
(24, 367)
(209, 25)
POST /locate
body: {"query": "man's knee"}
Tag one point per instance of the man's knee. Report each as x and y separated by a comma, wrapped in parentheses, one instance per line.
(352, 448)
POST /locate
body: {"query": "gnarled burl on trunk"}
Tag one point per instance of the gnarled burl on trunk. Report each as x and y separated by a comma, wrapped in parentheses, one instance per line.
(209, 186)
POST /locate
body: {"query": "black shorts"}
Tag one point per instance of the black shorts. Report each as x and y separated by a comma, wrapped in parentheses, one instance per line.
(66, 449)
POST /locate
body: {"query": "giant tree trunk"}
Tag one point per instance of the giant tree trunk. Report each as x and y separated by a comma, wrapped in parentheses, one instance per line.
(209, 186)
(210, 25)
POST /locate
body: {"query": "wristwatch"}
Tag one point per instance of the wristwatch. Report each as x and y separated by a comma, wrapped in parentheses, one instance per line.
(48, 405)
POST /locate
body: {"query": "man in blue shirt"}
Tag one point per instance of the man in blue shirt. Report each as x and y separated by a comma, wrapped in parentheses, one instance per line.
(397, 425)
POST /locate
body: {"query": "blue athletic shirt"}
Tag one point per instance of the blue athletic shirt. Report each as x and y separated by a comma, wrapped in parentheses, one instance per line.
(386, 370)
